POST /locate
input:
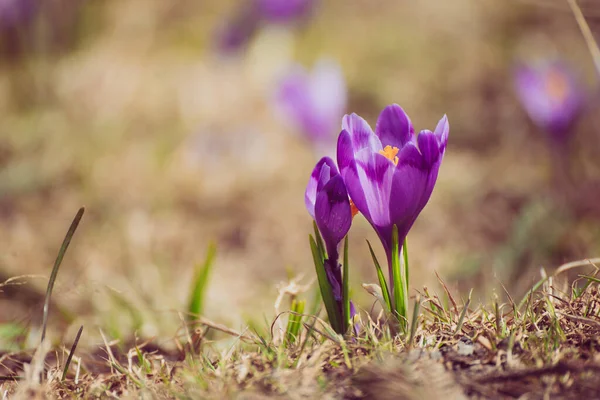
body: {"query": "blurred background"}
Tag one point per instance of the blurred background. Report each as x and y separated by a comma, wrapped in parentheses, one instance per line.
(177, 123)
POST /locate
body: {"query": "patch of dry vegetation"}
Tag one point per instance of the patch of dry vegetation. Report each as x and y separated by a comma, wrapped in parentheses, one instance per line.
(545, 345)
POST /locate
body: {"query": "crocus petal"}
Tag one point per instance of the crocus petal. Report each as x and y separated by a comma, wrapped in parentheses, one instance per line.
(361, 133)
(310, 194)
(442, 130)
(369, 185)
(345, 151)
(394, 127)
(332, 214)
(429, 147)
(409, 187)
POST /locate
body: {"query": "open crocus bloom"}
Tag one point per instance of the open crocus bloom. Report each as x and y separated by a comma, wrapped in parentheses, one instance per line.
(551, 95)
(327, 202)
(390, 173)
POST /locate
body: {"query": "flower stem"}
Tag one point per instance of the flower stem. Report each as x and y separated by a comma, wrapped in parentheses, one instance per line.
(399, 285)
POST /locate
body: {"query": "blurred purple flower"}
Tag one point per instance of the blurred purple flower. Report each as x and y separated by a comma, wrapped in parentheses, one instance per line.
(551, 96)
(283, 11)
(390, 174)
(315, 101)
(327, 202)
(234, 33)
(15, 13)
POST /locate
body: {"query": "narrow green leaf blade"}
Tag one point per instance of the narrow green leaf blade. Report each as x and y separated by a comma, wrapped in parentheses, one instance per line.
(200, 284)
(382, 282)
(326, 293)
(319, 241)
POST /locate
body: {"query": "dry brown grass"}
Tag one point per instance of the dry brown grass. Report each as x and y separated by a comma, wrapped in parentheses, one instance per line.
(545, 345)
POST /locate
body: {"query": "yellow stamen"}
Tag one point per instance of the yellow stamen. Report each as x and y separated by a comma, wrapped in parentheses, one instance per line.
(556, 85)
(390, 153)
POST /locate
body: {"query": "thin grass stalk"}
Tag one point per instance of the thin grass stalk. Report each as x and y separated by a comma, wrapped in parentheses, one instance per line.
(71, 353)
(414, 322)
(588, 36)
(463, 313)
(54, 273)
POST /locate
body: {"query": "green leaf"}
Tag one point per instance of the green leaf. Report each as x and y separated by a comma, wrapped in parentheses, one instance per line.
(382, 283)
(346, 288)
(197, 296)
(326, 293)
(319, 240)
(294, 322)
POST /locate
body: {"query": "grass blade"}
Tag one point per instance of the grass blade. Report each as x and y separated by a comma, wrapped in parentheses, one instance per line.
(294, 322)
(382, 282)
(414, 322)
(70, 357)
(588, 36)
(346, 288)
(326, 293)
(463, 313)
(59, 258)
(530, 292)
(196, 305)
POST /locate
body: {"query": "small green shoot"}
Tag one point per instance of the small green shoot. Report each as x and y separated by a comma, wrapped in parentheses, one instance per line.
(294, 321)
(198, 294)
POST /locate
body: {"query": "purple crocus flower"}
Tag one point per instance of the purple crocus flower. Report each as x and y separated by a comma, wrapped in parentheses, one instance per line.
(390, 173)
(327, 202)
(315, 101)
(283, 11)
(551, 96)
(234, 33)
(16, 13)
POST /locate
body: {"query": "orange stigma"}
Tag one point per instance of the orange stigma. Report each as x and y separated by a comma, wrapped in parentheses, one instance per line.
(556, 85)
(390, 153)
(353, 208)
